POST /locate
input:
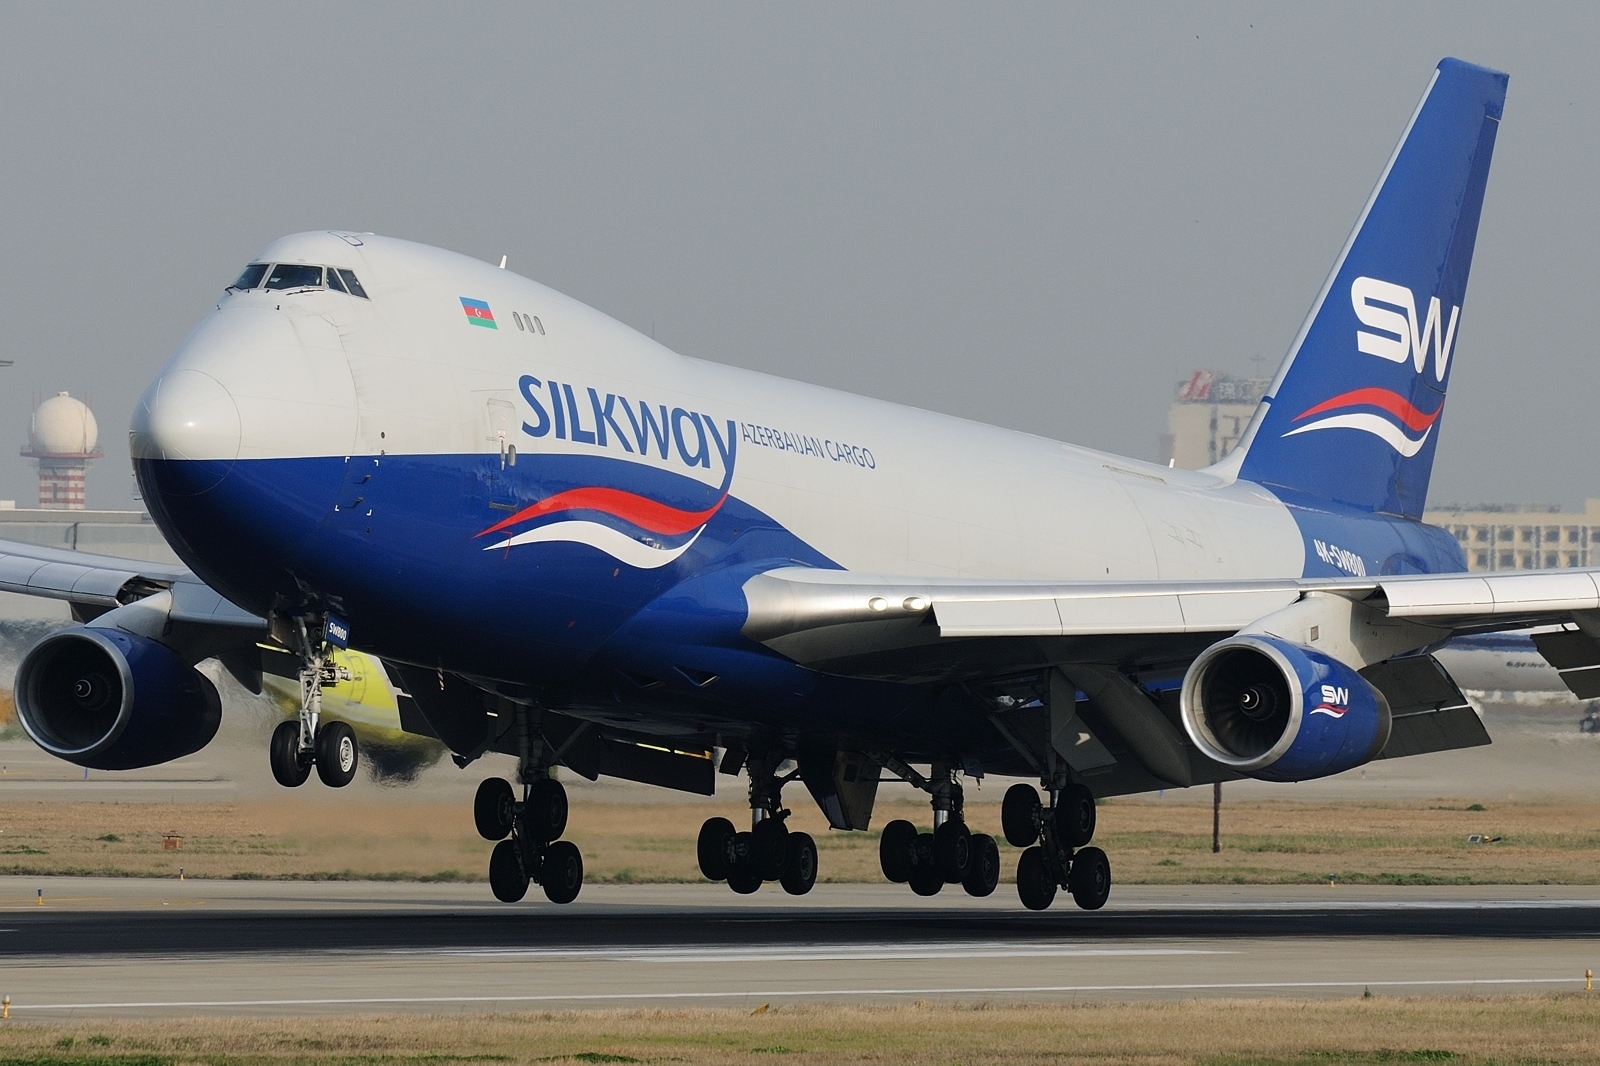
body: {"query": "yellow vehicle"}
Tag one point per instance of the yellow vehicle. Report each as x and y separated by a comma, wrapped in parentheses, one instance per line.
(367, 703)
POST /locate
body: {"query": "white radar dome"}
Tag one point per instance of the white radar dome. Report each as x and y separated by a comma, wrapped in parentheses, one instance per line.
(63, 426)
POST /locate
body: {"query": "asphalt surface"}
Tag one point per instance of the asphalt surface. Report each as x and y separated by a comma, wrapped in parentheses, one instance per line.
(166, 948)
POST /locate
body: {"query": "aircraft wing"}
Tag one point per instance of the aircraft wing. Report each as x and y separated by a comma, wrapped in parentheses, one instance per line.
(964, 629)
(95, 584)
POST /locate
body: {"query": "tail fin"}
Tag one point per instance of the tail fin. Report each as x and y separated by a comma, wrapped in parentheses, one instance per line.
(1353, 414)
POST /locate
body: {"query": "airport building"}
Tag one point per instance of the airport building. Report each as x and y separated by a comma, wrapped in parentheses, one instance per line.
(62, 437)
(1522, 536)
(1208, 417)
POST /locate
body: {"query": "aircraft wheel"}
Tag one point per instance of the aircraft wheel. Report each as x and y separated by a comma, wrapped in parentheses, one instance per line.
(561, 875)
(1075, 816)
(494, 808)
(284, 753)
(545, 812)
(896, 847)
(768, 847)
(715, 848)
(1019, 815)
(1035, 887)
(952, 851)
(799, 864)
(337, 755)
(742, 879)
(1089, 879)
(507, 878)
(983, 869)
(926, 877)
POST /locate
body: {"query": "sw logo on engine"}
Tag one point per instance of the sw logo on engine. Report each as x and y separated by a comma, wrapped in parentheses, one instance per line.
(1335, 702)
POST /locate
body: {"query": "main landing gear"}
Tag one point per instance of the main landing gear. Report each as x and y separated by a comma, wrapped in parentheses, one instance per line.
(1056, 838)
(769, 851)
(950, 855)
(529, 848)
(307, 741)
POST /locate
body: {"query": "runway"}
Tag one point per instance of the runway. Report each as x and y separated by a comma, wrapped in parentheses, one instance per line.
(101, 947)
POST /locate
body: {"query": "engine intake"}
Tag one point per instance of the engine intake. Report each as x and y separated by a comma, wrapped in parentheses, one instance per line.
(1281, 712)
(109, 700)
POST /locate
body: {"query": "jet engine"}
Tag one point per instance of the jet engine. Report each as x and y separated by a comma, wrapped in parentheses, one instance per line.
(1281, 712)
(109, 700)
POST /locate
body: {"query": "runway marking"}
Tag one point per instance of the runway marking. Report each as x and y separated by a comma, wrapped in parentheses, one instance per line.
(814, 953)
(611, 997)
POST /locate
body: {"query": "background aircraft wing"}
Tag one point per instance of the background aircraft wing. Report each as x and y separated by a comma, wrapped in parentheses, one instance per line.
(94, 584)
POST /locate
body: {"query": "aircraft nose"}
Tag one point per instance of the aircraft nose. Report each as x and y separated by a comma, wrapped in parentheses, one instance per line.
(188, 415)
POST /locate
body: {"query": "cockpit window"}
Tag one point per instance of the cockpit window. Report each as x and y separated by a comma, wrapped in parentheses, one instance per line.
(294, 276)
(251, 277)
(352, 286)
(334, 282)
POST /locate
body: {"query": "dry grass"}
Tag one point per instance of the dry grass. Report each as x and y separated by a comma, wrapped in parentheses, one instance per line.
(1150, 840)
(1532, 1029)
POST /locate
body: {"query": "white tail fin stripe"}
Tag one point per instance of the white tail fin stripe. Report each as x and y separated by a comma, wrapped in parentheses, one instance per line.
(1381, 428)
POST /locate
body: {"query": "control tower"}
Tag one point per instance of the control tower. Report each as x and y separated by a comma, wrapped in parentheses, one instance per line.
(62, 438)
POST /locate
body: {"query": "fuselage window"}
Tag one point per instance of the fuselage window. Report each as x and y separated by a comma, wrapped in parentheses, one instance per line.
(517, 318)
(351, 285)
(334, 282)
(536, 322)
(294, 276)
(251, 277)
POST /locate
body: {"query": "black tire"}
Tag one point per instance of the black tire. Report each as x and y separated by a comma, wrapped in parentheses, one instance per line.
(507, 878)
(494, 808)
(337, 754)
(544, 814)
(983, 871)
(742, 879)
(1035, 887)
(284, 753)
(952, 851)
(715, 848)
(561, 874)
(1019, 815)
(769, 845)
(926, 878)
(799, 864)
(895, 850)
(1075, 816)
(1089, 879)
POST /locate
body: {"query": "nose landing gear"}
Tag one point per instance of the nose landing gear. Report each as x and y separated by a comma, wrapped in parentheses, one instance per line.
(299, 745)
(1057, 855)
(769, 851)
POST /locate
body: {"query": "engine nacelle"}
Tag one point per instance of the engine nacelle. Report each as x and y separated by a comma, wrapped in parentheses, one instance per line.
(1281, 712)
(109, 700)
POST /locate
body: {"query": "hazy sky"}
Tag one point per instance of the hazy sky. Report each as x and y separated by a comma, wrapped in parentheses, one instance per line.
(1038, 216)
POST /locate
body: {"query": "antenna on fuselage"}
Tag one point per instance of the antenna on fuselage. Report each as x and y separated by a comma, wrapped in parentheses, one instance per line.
(502, 262)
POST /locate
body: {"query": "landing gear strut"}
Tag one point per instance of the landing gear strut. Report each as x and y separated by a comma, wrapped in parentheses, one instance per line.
(528, 831)
(1056, 838)
(769, 851)
(299, 745)
(952, 854)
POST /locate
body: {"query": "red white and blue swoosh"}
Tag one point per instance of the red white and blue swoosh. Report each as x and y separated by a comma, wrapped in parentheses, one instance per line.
(1345, 411)
(630, 528)
(1330, 710)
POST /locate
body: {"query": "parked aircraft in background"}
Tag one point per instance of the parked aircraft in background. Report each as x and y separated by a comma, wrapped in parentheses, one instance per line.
(572, 546)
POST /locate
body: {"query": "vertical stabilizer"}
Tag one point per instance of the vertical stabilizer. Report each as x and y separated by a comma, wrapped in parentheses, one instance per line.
(1353, 414)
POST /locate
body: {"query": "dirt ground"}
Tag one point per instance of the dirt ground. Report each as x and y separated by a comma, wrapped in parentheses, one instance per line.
(1553, 1029)
(1150, 840)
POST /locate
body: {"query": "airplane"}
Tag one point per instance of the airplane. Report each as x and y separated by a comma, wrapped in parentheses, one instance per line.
(570, 545)
(366, 700)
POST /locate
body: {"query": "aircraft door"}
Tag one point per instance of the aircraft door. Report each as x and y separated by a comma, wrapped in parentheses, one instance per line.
(501, 420)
